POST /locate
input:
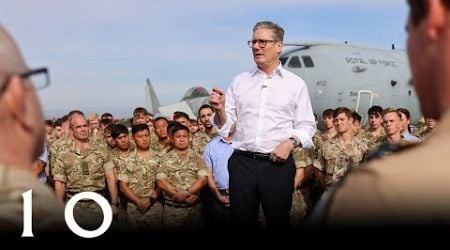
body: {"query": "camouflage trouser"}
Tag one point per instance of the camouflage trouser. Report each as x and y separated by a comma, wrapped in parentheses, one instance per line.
(150, 220)
(298, 210)
(182, 218)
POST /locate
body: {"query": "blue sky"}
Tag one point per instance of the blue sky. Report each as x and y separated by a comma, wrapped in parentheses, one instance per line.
(100, 52)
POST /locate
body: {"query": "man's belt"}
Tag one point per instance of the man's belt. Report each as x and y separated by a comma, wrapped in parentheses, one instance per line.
(72, 193)
(253, 155)
(177, 205)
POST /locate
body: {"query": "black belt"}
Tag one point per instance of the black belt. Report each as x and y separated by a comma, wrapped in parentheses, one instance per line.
(253, 155)
(178, 205)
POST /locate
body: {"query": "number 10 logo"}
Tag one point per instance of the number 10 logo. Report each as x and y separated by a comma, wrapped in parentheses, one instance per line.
(68, 214)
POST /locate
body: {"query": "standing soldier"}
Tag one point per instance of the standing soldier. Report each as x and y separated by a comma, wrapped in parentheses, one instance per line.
(79, 167)
(393, 139)
(343, 152)
(137, 178)
(425, 131)
(162, 141)
(181, 175)
(375, 132)
(116, 158)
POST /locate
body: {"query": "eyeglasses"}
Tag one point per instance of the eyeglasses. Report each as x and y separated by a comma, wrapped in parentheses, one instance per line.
(262, 43)
(39, 78)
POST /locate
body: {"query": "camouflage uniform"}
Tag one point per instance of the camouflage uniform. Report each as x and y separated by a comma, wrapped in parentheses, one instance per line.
(422, 132)
(114, 160)
(182, 173)
(372, 141)
(82, 171)
(157, 146)
(384, 148)
(48, 212)
(337, 161)
(302, 158)
(54, 150)
(212, 133)
(298, 209)
(140, 174)
(199, 141)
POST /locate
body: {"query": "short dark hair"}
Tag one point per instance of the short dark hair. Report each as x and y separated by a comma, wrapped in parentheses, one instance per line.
(106, 115)
(106, 121)
(49, 122)
(375, 110)
(205, 106)
(405, 112)
(179, 114)
(138, 128)
(118, 129)
(344, 110)
(160, 118)
(356, 116)
(140, 111)
(178, 127)
(57, 123)
(328, 113)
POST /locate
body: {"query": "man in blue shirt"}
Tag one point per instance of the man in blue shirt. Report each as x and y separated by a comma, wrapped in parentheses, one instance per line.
(216, 155)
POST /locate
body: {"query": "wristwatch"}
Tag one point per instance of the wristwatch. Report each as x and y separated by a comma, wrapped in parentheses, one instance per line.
(294, 141)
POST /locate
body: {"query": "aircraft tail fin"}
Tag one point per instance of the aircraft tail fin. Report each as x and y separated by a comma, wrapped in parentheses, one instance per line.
(151, 100)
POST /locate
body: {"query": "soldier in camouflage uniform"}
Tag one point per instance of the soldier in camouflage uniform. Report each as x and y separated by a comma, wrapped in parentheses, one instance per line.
(375, 133)
(356, 126)
(198, 140)
(116, 158)
(162, 140)
(22, 134)
(79, 167)
(303, 158)
(140, 116)
(181, 175)
(425, 131)
(94, 124)
(329, 127)
(137, 176)
(103, 138)
(393, 138)
(342, 152)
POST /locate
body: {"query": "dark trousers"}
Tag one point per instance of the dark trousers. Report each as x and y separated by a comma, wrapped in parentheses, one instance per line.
(256, 180)
(220, 215)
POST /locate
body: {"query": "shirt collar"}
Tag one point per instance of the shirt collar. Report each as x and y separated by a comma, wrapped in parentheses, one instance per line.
(279, 70)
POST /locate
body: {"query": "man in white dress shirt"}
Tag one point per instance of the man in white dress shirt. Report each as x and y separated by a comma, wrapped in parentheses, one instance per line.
(272, 111)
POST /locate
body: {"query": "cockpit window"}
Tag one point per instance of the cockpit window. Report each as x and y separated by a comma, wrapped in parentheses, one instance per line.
(283, 60)
(307, 60)
(294, 62)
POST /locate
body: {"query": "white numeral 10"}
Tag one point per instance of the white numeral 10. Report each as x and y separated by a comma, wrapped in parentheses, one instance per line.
(68, 215)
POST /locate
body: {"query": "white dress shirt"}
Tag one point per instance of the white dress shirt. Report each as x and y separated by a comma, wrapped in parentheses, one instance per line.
(268, 110)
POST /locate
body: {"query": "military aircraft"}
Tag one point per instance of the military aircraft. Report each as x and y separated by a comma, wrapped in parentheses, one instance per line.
(192, 100)
(351, 76)
(336, 75)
